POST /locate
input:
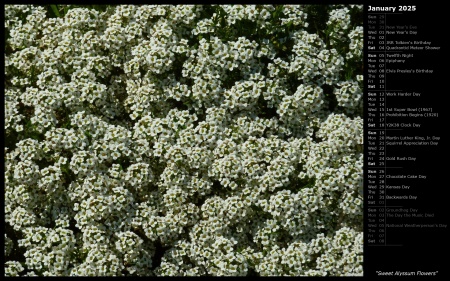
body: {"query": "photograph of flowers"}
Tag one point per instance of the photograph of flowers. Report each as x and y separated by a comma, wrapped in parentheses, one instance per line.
(183, 140)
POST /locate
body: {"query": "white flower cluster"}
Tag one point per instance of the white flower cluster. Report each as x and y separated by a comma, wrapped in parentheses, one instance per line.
(183, 140)
(339, 22)
(356, 46)
(349, 95)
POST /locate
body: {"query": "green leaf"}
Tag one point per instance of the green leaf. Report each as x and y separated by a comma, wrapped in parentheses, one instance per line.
(55, 10)
(289, 24)
(88, 135)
